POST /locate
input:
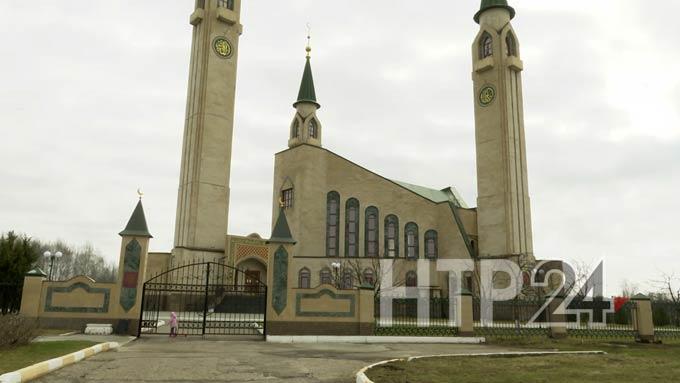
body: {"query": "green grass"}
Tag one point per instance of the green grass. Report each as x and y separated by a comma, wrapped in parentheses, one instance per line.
(625, 361)
(23, 356)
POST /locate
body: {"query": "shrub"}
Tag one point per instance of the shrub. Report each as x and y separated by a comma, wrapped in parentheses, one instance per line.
(16, 330)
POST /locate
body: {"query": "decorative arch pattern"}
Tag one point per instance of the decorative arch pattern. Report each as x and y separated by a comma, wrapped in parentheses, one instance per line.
(371, 232)
(485, 45)
(391, 236)
(411, 240)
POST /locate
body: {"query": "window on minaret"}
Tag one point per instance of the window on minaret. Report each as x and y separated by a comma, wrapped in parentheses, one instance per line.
(411, 239)
(287, 198)
(371, 234)
(200, 4)
(391, 236)
(352, 228)
(431, 244)
(486, 46)
(229, 4)
(295, 130)
(511, 45)
(313, 129)
(332, 221)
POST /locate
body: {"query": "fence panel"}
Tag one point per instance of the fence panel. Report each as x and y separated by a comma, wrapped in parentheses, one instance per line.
(405, 320)
(666, 319)
(510, 318)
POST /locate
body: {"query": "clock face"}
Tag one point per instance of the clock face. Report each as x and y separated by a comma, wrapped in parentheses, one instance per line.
(222, 47)
(487, 95)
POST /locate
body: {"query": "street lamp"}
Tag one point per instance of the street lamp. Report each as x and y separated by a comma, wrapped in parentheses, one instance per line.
(52, 257)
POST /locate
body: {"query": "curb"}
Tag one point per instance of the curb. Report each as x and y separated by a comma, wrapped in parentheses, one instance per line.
(362, 378)
(39, 369)
(373, 339)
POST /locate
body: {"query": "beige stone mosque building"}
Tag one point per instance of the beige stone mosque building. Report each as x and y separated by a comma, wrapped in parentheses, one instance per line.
(328, 209)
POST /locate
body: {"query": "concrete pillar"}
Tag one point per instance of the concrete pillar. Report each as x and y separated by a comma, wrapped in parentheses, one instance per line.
(366, 310)
(32, 293)
(466, 327)
(557, 318)
(643, 320)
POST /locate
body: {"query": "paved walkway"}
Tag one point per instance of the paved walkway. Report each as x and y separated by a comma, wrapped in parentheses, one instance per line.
(160, 359)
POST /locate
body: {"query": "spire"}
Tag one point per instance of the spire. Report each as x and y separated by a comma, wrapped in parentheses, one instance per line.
(136, 226)
(281, 232)
(307, 92)
(488, 4)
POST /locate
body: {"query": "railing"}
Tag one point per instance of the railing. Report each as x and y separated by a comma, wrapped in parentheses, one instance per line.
(666, 319)
(10, 298)
(406, 322)
(510, 318)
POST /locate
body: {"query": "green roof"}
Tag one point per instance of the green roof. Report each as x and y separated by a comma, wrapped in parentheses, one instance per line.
(37, 272)
(136, 226)
(434, 195)
(307, 92)
(488, 4)
(281, 232)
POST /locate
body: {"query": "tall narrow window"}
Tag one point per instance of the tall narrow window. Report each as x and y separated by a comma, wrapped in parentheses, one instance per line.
(347, 279)
(369, 277)
(287, 198)
(352, 228)
(485, 46)
(411, 279)
(371, 232)
(411, 240)
(511, 45)
(295, 129)
(332, 221)
(229, 4)
(431, 244)
(391, 236)
(200, 4)
(304, 278)
(313, 128)
(325, 276)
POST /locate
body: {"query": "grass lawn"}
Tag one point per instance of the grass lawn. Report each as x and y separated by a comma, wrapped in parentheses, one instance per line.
(625, 362)
(19, 357)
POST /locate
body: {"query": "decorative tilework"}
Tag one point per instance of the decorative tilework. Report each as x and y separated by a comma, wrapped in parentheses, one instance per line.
(280, 288)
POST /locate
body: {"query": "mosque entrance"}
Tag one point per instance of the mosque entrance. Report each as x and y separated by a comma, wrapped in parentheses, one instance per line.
(205, 298)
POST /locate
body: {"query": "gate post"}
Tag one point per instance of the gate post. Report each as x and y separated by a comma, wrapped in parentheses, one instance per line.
(558, 328)
(643, 321)
(466, 327)
(205, 298)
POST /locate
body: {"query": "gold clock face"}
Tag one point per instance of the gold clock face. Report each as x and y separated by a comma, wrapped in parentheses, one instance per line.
(222, 47)
(487, 95)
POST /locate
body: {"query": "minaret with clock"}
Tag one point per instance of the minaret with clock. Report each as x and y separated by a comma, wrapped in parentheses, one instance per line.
(503, 206)
(203, 196)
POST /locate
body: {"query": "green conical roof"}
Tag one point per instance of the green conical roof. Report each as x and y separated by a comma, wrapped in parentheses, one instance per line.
(281, 232)
(488, 4)
(136, 226)
(307, 92)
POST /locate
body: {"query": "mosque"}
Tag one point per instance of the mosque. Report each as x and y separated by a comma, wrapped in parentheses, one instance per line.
(328, 209)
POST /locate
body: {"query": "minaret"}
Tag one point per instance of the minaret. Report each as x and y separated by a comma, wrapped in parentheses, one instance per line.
(306, 128)
(203, 198)
(503, 207)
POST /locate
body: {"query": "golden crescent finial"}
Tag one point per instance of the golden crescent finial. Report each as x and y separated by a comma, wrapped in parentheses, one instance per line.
(281, 204)
(140, 193)
(309, 38)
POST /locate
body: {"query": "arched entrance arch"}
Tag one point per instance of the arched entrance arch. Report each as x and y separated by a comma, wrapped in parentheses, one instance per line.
(254, 270)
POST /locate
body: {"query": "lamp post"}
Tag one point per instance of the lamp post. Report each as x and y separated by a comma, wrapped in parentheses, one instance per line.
(52, 257)
(336, 273)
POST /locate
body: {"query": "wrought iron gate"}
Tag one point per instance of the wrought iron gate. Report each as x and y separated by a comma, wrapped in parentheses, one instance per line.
(208, 299)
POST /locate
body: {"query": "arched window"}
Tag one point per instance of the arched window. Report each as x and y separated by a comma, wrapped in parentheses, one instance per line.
(313, 128)
(229, 4)
(431, 245)
(332, 224)
(391, 236)
(371, 232)
(304, 278)
(295, 129)
(325, 276)
(347, 279)
(511, 45)
(411, 240)
(369, 277)
(485, 46)
(352, 228)
(411, 279)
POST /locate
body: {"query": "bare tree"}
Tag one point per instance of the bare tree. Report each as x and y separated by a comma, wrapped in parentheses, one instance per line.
(84, 260)
(669, 287)
(358, 267)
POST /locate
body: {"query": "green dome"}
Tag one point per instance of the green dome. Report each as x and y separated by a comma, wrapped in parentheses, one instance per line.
(488, 4)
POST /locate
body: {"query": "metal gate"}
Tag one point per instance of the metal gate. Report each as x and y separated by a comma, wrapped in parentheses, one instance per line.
(208, 299)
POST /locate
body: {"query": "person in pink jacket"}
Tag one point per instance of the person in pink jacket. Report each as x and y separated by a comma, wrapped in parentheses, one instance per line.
(173, 324)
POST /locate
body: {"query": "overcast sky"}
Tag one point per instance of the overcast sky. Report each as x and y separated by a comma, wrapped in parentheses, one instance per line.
(92, 103)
